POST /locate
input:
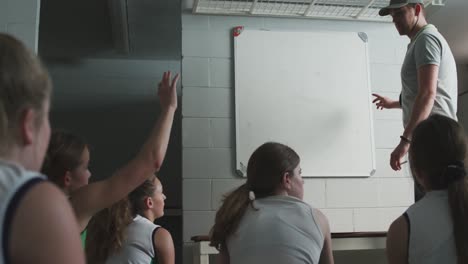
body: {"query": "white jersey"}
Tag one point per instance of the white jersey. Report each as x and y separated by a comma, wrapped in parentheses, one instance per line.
(138, 247)
(15, 182)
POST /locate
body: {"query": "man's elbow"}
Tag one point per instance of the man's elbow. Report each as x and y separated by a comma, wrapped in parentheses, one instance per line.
(428, 96)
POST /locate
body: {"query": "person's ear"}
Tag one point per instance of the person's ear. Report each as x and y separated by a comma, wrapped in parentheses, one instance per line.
(148, 202)
(286, 180)
(417, 9)
(67, 178)
(27, 126)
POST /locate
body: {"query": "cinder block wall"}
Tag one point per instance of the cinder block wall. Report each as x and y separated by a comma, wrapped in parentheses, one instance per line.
(208, 146)
(21, 19)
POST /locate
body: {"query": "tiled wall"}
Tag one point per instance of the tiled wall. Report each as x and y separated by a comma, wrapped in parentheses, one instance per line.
(358, 204)
(21, 19)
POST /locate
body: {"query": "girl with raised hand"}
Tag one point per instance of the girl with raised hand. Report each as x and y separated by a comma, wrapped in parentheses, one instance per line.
(67, 159)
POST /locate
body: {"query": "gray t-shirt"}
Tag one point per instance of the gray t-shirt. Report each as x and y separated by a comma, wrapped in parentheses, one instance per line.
(429, 47)
(283, 230)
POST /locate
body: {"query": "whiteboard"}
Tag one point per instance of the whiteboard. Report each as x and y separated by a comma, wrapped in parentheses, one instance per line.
(310, 91)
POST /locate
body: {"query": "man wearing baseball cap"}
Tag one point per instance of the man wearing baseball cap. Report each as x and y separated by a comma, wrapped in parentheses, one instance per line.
(428, 74)
(424, 233)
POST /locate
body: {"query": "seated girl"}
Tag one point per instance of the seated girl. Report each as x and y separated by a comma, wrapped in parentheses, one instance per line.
(434, 230)
(125, 232)
(265, 220)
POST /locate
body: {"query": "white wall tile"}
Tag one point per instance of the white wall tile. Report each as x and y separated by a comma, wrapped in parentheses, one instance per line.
(385, 77)
(375, 219)
(396, 192)
(208, 163)
(3, 14)
(387, 133)
(314, 192)
(207, 102)
(197, 223)
(386, 47)
(197, 194)
(221, 73)
(196, 43)
(350, 193)
(382, 157)
(222, 131)
(195, 72)
(197, 22)
(196, 132)
(340, 220)
(223, 187)
(22, 11)
(26, 32)
(202, 43)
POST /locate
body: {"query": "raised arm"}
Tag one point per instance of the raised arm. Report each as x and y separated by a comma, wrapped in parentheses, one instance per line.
(99, 195)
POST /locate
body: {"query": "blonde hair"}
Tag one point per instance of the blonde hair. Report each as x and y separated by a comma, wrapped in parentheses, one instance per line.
(106, 230)
(24, 84)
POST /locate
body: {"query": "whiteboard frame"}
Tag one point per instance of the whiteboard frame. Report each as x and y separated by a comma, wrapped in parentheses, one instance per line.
(241, 168)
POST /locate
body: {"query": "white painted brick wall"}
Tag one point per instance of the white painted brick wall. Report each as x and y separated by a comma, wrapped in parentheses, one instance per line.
(382, 157)
(375, 219)
(341, 220)
(196, 132)
(196, 194)
(352, 193)
(197, 223)
(315, 192)
(208, 163)
(383, 77)
(221, 187)
(207, 102)
(221, 72)
(208, 125)
(20, 18)
(222, 130)
(387, 133)
(196, 72)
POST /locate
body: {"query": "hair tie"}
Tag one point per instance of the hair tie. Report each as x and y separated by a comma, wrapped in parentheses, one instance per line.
(455, 171)
(251, 195)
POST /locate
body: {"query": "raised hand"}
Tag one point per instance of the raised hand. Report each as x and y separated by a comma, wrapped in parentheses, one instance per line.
(167, 91)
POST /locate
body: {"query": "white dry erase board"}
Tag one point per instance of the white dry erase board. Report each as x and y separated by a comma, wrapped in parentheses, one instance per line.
(309, 90)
